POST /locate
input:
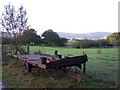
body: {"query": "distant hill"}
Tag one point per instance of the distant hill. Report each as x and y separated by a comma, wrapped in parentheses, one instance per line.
(93, 35)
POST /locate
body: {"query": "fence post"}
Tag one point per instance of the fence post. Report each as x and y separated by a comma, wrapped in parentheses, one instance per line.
(16, 49)
(83, 53)
(28, 49)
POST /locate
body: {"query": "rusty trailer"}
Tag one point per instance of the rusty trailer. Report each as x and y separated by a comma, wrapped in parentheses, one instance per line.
(51, 62)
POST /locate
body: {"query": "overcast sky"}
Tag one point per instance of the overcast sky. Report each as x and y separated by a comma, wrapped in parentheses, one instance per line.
(74, 16)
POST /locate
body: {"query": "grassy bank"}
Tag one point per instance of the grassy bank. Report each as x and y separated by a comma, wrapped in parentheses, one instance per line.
(102, 70)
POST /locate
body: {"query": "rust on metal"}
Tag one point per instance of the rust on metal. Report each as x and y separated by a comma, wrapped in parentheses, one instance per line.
(50, 62)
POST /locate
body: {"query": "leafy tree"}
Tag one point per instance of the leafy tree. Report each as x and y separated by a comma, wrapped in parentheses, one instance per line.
(114, 38)
(30, 37)
(64, 41)
(51, 38)
(104, 42)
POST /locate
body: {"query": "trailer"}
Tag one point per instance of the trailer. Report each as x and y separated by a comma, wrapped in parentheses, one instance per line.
(56, 62)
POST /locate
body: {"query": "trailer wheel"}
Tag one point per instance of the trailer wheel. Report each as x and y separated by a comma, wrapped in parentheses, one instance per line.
(27, 67)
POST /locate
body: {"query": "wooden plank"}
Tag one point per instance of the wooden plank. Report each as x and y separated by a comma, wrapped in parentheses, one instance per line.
(66, 62)
(42, 66)
(24, 59)
(36, 64)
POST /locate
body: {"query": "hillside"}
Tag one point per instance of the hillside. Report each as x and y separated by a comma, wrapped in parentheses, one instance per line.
(94, 35)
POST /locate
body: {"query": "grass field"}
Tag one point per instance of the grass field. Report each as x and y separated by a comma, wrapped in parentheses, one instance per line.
(101, 71)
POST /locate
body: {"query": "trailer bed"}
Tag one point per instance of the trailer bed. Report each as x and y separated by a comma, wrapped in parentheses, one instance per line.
(34, 59)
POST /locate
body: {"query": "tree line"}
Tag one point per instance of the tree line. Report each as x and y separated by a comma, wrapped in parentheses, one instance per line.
(15, 24)
(30, 37)
(110, 41)
(51, 38)
(87, 43)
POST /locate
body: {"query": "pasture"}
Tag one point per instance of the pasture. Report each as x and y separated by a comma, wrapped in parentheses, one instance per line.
(101, 70)
(99, 64)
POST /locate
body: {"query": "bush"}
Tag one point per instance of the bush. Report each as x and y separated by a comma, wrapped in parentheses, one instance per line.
(88, 43)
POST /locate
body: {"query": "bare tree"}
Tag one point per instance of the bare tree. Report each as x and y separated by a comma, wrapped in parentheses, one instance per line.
(21, 20)
(14, 22)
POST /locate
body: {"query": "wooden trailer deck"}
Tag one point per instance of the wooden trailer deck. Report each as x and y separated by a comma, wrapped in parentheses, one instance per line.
(41, 61)
(34, 59)
(61, 64)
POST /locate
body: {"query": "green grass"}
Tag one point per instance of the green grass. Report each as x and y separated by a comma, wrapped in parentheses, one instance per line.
(102, 65)
(101, 71)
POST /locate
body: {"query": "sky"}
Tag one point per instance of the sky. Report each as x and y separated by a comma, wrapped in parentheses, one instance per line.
(73, 16)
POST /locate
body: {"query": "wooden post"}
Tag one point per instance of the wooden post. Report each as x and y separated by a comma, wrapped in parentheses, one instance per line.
(56, 52)
(76, 73)
(16, 49)
(29, 67)
(84, 68)
(83, 53)
(28, 49)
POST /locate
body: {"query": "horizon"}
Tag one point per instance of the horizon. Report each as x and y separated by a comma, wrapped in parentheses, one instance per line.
(70, 16)
(82, 33)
